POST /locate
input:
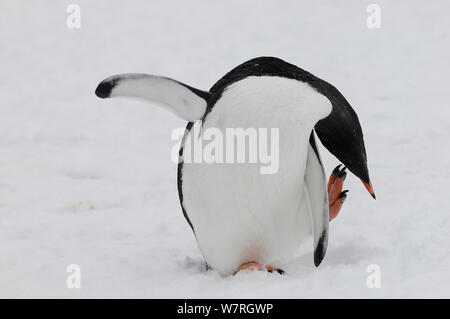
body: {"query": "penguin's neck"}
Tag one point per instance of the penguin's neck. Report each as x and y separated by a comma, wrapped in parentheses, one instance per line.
(272, 103)
(292, 106)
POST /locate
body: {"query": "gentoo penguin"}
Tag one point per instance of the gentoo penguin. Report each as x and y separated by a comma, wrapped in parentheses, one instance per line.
(243, 219)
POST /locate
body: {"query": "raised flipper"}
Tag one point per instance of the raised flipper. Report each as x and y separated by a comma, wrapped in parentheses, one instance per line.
(317, 195)
(185, 101)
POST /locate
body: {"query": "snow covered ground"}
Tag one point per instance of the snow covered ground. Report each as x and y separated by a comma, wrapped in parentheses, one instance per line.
(90, 182)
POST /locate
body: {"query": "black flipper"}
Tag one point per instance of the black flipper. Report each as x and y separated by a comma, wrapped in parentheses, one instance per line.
(316, 193)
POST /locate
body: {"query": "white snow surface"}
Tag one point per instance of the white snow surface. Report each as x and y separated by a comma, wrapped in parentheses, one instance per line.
(91, 182)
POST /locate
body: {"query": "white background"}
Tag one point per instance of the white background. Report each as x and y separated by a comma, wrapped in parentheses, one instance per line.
(90, 181)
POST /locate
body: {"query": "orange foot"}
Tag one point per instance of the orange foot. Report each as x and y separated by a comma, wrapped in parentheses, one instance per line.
(336, 196)
(255, 266)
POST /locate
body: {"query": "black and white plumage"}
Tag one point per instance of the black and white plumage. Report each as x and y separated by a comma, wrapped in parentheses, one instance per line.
(237, 214)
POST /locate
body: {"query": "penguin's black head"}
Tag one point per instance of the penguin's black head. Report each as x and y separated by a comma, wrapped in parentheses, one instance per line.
(342, 135)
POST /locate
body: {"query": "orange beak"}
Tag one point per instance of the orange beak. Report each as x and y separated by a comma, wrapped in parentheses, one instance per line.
(369, 188)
